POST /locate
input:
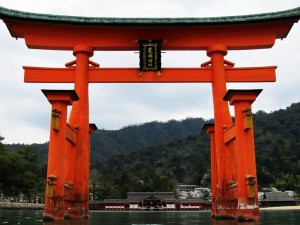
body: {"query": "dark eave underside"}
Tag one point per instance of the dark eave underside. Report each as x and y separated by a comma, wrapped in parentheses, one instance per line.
(9, 14)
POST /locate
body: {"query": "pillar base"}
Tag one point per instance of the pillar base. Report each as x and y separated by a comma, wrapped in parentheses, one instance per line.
(48, 218)
(52, 215)
(240, 215)
(248, 215)
(224, 214)
(76, 211)
(53, 210)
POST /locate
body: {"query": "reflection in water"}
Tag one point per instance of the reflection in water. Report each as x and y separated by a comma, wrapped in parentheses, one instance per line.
(69, 222)
(30, 217)
(231, 222)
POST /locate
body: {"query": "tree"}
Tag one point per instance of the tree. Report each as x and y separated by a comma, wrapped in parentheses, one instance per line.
(95, 183)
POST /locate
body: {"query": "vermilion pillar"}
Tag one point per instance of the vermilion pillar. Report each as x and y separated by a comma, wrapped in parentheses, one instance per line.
(221, 119)
(54, 202)
(77, 205)
(247, 209)
(210, 128)
(92, 128)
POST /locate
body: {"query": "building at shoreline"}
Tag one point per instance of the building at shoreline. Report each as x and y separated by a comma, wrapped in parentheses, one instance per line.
(274, 199)
(150, 201)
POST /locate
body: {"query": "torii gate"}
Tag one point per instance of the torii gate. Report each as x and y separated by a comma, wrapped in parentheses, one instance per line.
(234, 181)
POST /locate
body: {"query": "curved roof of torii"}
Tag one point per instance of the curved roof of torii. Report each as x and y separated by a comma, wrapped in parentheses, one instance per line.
(225, 20)
(236, 32)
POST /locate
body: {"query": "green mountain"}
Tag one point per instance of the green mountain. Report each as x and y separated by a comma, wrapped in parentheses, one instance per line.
(106, 143)
(156, 156)
(277, 143)
(277, 140)
(158, 168)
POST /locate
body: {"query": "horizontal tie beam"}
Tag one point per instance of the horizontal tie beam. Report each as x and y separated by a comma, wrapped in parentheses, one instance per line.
(133, 75)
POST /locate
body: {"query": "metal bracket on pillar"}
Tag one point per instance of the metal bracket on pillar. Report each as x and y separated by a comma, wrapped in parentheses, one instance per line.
(233, 186)
(68, 191)
(247, 119)
(250, 181)
(56, 119)
(51, 182)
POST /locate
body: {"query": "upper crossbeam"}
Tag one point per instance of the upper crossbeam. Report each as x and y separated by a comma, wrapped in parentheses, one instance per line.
(133, 75)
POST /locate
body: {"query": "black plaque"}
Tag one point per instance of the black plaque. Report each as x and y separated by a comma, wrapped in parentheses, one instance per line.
(150, 55)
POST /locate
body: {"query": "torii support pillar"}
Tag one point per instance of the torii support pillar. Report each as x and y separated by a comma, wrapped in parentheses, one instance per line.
(92, 128)
(54, 200)
(210, 129)
(247, 195)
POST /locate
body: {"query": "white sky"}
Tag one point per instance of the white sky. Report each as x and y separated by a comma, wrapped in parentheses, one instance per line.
(25, 112)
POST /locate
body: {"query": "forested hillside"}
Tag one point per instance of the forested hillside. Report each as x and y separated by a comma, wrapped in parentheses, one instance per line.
(106, 143)
(158, 168)
(277, 142)
(157, 156)
(20, 172)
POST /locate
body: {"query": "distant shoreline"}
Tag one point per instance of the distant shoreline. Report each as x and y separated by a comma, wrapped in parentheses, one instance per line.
(281, 208)
(15, 205)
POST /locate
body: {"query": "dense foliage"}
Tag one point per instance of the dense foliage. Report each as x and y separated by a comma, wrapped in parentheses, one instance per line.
(157, 156)
(277, 141)
(158, 168)
(105, 143)
(20, 172)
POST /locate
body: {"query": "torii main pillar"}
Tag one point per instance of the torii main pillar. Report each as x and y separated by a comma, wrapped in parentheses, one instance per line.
(80, 117)
(76, 205)
(222, 118)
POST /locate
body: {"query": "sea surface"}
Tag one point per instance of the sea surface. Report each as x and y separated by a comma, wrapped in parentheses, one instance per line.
(32, 217)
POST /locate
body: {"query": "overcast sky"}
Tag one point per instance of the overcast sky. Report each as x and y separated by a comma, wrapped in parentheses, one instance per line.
(25, 112)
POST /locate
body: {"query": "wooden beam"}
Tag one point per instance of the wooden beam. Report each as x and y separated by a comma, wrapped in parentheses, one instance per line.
(48, 75)
(229, 134)
(71, 134)
(251, 74)
(133, 75)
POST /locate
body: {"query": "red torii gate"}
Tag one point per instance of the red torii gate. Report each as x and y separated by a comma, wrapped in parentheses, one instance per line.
(234, 188)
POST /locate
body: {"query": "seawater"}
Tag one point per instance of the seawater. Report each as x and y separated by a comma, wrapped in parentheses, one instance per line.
(32, 217)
